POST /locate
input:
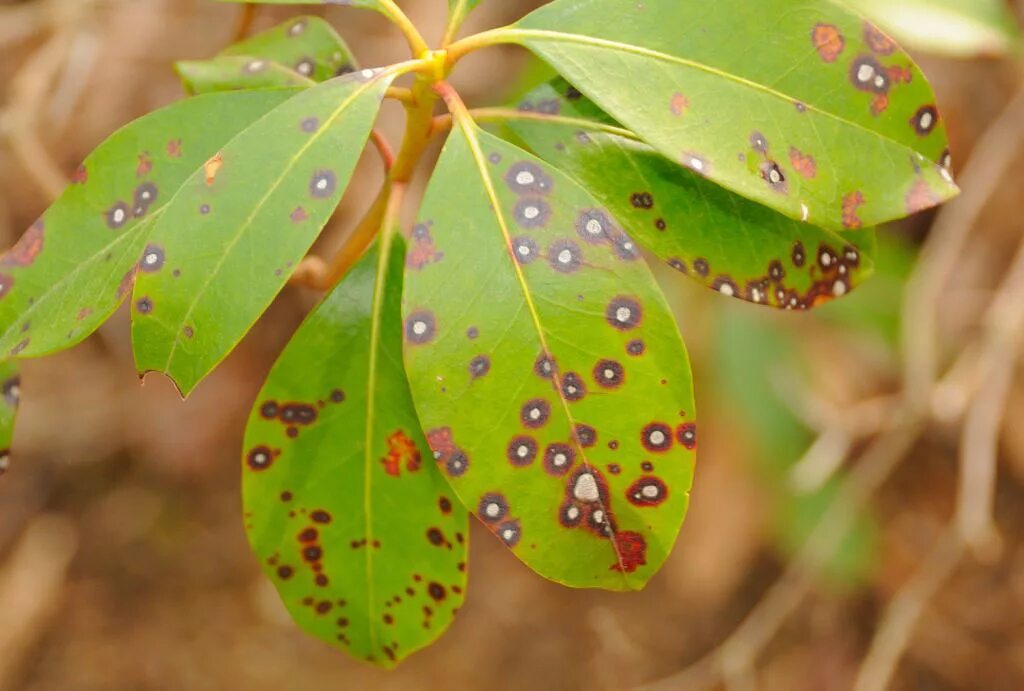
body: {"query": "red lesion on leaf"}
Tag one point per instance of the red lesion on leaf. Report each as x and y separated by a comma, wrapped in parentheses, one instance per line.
(679, 104)
(127, 282)
(422, 252)
(402, 452)
(174, 148)
(632, 551)
(851, 204)
(27, 248)
(803, 164)
(80, 176)
(920, 197)
(828, 41)
(145, 165)
(299, 215)
(877, 40)
(212, 167)
(83, 313)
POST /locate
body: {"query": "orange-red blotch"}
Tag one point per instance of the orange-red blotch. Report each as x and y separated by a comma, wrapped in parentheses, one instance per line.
(212, 167)
(174, 148)
(802, 163)
(632, 551)
(145, 165)
(851, 204)
(80, 176)
(27, 248)
(402, 452)
(679, 104)
(877, 40)
(828, 41)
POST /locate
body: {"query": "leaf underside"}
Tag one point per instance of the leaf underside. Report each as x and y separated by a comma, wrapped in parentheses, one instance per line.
(228, 241)
(730, 244)
(355, 526)
(749, 94)
(553, 384)
(76, 264)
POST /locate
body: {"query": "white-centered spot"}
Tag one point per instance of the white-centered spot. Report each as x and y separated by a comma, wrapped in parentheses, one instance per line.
(609, 373)
(657, 437)
(119, 215)
(524, 250)
(804, 212)
(598, 516)
(586, 488)
(572, 513)
(564, 257)
(522, 451)
(367, 73)
(696, 163)
(305, 68)
(256, 65)
(559, 460)
(623, 314)
(419, 328)
(151, 258)
(879, 81)
(594, 227)
(826, 259)
(531, 212)
(839, 288)
(650, 491)
(508, 533)
(927, 120)
(534, 413)
(865, 73)
(756, 295)
(525, 177)
(321, 184)
(775, 176)
(726, 289)
(493, 510)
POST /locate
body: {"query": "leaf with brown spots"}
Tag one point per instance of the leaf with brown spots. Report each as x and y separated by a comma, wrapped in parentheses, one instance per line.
(521, 350)
(728, 243)
(75, 265)
(350, 519)
(232, 236)
(868, 119)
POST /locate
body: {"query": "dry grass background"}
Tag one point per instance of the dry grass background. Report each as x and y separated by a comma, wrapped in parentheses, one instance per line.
(123, 563)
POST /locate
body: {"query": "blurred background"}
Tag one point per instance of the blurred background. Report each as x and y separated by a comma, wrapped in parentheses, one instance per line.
(858, 513)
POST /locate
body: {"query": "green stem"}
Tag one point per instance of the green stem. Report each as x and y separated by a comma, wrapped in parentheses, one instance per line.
(485, 39)
(455, 18)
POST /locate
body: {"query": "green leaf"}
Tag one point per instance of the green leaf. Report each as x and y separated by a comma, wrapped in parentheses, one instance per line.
(546, 368)
(235, 73)
(232, 236)
(352, 522)
(726, 242)
(74, 266)
(10, 387)
(959, 28)
(458, 9)
(733, 89)
(307, 45)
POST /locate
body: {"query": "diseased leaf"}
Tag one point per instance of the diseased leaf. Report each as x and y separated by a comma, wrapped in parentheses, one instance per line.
(235, 73)
(737, 247)
(73, 267)
(10, 388)
(355, 526)
(546, 367)
(229, 240)
(960, 28)
(307, 45)
(744, 92)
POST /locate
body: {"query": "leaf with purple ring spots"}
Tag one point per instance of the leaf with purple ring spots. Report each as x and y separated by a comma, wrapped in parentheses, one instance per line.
(76, 264)
(726, 242)
(731, 88)
(243, 221)
(235, 73)
(350, 518)
(586, 380)
(307, 45)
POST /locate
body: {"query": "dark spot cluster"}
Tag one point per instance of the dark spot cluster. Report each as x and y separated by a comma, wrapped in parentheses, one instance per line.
(493, 510)
(452, 459)
(422, 251)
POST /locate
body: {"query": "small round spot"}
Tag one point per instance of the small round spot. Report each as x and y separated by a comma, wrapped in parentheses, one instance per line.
(285, 572)
(435, 537)
(323, 184)
(565, 256)
(647, 491)
(799, 255)
(492, 508)
(572, 386)
(544, 367)
(558, 458)
(204, 209)
(758, 142)
(594, 226)
(624, 313)
(656, 437)
(144, 305)
(472, 332)
(532, 212)
(725, 286)
(479, 366)
(457, 464)
(259, 458)
(701, 267)
(310, 125)
(306, 67)
(660, 224)
(527, 177)
(570, 515)
(585, 435)
(827, 258)
(269, 410)
(773, 175)
(925, 120)
(510, 533)
(445, 504)
(152, 259)
(522, 451)
(254, 66)
(585, 487)
(117, 215)
(625, 248)
(420, 327)
(609, 374)
(535, 413)
(337, 396)
(524, 249)
(320, 516)
(642, 200)
(297, 29)
(436, 591)
(775, 270)
(145, 195)
(636, 347)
